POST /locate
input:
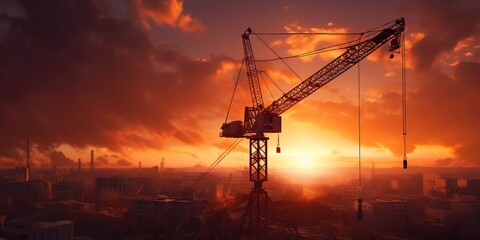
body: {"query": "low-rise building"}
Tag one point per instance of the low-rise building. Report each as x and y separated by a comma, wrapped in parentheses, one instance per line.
(123, 185)
(32, 191)
(60, 230)
(462, 215)
(169, 213)
(438, 187)
(386, 215)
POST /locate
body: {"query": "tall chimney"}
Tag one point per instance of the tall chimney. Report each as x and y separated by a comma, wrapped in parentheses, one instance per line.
(139, 164)
(27, 169)
(91, 161)
(79, 164)
(162, 165)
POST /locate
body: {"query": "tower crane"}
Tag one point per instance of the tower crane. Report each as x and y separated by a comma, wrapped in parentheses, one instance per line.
(260, 119)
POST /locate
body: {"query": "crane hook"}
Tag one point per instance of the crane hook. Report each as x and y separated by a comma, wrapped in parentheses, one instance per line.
(278, 144)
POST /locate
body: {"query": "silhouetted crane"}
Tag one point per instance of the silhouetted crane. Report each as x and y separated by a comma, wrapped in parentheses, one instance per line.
(259, 119)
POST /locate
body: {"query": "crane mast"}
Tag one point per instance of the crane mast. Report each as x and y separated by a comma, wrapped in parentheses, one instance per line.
(252, 73)
(259, 119)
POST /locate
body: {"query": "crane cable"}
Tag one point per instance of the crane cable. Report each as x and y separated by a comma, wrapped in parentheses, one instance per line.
(218, 160)
(271, 80)
(359, 136)
(234, 89)
(278, 150)
(234, 144)
(321, 50)
(404, 104)
(360, 207)
(265, 83)
(278, 56)
(323, 33)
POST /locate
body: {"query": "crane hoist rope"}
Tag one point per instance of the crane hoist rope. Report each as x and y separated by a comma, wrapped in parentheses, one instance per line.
(360, 207)
(404, 104)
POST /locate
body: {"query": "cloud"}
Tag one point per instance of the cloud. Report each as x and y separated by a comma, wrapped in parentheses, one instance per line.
(58, 159)
(445, 24)
(72, 76)
(446, 105)
(442, 85)
(299, 44)
(122, 163)
(445, 162)
(167, 12)
(102, 161)
(441, 111)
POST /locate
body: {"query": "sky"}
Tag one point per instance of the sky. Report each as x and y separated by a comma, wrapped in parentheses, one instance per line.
(150, 79)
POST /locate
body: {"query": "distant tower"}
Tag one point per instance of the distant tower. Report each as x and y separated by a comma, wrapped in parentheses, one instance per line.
(79, 164)
(162, 165)
(27, 169)
(373, 170)
(91, 161)
(139, 165)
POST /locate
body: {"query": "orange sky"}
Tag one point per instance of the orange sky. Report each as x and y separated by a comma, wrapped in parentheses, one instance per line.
(142, 80)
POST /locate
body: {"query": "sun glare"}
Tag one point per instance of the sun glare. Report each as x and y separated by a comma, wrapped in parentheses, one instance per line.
(305, 163)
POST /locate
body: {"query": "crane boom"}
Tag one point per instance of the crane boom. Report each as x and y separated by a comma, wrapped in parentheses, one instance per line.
(348, 59)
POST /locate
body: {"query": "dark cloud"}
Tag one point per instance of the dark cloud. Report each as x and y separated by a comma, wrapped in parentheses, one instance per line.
(167, 12)
(445, 23)
(58, 159)
(72, 73)
(122, 163)
(443, 111)
(102, 161)
(442, 99)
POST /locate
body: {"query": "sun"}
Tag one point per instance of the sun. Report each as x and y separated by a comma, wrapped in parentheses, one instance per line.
(305, 163)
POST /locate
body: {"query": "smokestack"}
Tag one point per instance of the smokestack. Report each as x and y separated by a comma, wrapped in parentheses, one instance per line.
(91, 161)
(162, 165)
(27, 169)
(79, 164)
(139, 164)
